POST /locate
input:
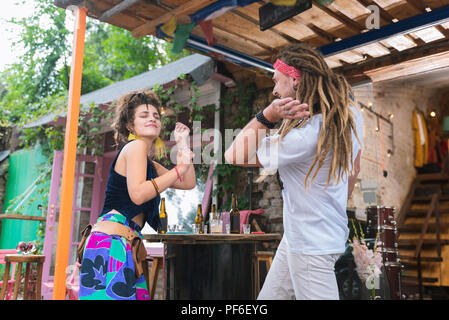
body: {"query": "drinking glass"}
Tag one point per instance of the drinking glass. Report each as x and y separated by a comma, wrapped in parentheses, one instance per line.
(195, 229)
(216, 226)
(246, 228)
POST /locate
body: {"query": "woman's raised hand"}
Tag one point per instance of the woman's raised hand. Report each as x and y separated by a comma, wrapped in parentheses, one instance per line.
(181, 133)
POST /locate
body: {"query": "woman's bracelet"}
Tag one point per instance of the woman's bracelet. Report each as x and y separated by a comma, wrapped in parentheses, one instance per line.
(155, 186)
(179, 176)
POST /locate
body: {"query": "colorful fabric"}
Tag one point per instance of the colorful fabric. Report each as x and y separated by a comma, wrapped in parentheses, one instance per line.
(182, 33)
(419, 127)
(107, 269)
(285, 68)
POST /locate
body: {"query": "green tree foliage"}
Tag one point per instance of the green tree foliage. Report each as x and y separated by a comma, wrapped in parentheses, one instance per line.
(38, 82)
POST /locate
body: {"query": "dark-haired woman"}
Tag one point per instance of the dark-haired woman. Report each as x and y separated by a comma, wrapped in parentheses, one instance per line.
(112, 259)
(316, 152)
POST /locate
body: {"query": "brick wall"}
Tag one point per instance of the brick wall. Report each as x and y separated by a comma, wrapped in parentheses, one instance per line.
(386, 99)
(400, 101)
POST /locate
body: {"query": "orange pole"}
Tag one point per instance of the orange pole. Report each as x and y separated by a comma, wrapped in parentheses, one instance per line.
(68, 169)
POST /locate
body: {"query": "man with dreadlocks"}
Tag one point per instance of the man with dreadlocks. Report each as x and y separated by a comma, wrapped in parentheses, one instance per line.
(316, 151)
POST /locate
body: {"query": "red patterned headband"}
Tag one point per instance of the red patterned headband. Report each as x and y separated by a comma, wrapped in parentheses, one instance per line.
(285, 68)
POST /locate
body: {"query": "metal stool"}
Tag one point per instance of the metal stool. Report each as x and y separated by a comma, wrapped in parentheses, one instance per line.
(20, 260)
(263, 256)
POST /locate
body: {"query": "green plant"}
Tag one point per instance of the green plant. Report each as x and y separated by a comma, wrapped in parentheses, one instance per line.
(243, 95)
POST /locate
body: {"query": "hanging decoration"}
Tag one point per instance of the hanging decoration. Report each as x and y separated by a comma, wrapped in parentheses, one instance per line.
(218, 8)
(181, 35)
(205, 16)
(420, 138)
(284, 2)
(275, 12)
(169, 28)
(206, 26)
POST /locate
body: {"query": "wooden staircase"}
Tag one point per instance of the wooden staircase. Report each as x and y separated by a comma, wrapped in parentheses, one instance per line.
(423, 235)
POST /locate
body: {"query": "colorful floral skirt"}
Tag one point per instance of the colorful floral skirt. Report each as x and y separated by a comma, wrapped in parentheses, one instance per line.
(107, 269)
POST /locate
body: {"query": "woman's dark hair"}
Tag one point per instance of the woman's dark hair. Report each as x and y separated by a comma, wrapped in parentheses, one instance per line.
(126, 109)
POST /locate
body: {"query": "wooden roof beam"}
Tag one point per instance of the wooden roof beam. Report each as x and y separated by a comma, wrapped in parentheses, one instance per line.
(394, 58)
(388, 18)
(116, 9)
(187, 8)
(65, 3)
(420, 7)
(351, 24)
(385, 16)
(256, 23)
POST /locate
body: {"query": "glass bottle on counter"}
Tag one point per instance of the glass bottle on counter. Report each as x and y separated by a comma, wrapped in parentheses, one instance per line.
(163, 217)
(206, 224)
(199, 219)
(214, 212)
(234, 216)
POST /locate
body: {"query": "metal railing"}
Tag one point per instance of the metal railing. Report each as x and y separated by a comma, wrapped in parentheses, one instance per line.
(433, 208)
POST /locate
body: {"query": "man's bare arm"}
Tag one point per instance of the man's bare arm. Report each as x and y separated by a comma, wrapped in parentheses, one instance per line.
(355, 172)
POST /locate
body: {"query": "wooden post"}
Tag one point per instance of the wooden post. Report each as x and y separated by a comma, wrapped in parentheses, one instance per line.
(68, 168)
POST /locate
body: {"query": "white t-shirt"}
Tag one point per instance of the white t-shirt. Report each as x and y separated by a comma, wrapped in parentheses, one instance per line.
(315, 222)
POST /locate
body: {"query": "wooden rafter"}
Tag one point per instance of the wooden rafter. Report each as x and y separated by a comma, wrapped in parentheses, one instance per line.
(420, 7)
(360, 68)
(385, 16)
(239, 30)
(234, 24)
(116, 9)
(185, 9)
(351, 24)
(290, 28)
(256, 24)
(417, 4)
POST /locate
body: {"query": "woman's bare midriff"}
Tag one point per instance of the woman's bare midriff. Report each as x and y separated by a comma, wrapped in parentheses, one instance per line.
(139, 219)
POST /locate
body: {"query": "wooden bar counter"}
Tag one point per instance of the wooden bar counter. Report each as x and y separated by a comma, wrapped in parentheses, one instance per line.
(210, 266)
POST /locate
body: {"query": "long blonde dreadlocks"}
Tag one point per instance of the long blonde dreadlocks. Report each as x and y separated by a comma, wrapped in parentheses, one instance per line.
(329, 91)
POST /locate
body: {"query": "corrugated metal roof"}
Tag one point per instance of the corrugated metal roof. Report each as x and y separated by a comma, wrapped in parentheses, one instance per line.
(200, 67)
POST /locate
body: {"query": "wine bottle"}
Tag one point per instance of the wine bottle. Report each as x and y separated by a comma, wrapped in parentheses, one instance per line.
(163, 217)
(199, 219)
(234, 216)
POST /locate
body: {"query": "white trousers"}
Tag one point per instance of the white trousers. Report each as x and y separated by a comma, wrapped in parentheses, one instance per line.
(301, 277)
